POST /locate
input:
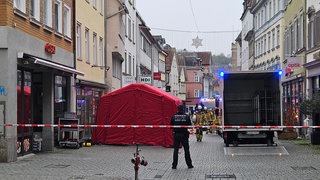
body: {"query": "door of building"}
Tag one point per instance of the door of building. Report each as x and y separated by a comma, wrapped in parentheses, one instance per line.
(24, 111)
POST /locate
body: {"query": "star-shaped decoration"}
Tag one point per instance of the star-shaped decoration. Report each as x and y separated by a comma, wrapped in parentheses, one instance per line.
(197, 42)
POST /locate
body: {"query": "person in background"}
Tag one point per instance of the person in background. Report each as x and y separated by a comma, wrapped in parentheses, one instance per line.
(200, 121)
(181, 136)
(209, 118)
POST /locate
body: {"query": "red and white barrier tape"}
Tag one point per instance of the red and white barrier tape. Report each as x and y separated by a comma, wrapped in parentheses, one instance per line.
(156, 126)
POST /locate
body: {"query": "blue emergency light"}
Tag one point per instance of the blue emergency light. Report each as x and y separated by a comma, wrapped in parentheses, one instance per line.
(221, 74)
(280, 73)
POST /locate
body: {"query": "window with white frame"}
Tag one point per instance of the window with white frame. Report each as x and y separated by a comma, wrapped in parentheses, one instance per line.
(259, 48)
(58, 16)
(256, 50)
(101, 51)
(133, 66)
(196, 93)
(262, 17)
(289, 40)
(35, 9)
(129, 29)
(196, 77)
(94, 3)
(292, 38)
(95, 48)
(297, 35)
(67, 21)
(301, 31)
(125, 64)
(47, 12)
(256, 21)
(116, 68)
(20, 4)
(129, 64)
(133, 36)
(265, 12)
(273, 38)
(259, 20)
(87, 45)
(274, 7)
(101, 6)
(264, 43)
(278, 35)
(269, 41)
(310, 32)
(78, 41)
(317, 28)
(270, 10)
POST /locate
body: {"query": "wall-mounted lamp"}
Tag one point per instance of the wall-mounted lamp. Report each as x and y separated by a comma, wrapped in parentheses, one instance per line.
(106, 67)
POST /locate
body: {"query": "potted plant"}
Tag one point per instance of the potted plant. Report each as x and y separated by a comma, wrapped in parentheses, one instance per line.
(311, 107)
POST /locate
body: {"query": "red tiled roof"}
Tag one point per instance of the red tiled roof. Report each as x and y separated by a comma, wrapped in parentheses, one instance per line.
(205, 57)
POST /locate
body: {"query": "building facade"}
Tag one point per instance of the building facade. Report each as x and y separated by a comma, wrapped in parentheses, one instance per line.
(90, 55)
(268, 34)
(129, 66)
(294, 57)
(172, 83)
(246, 37)
(37, 72)
(312, 64)
(115, 18)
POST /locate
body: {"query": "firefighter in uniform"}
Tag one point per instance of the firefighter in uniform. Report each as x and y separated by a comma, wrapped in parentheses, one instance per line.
(200, 121)
(209, 118)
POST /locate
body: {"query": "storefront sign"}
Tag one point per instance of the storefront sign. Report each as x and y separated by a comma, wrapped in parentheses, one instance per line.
(294, 62)
(157, 76)
(126, 80)
(49, 48)
(145, 80)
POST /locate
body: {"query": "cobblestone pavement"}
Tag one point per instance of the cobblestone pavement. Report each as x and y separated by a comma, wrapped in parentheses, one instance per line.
(209, 160)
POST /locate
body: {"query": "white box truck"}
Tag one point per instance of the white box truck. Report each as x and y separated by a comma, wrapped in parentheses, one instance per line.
(251, 107)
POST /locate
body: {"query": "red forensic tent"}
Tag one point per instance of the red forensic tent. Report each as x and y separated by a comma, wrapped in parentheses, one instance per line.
(136, 104)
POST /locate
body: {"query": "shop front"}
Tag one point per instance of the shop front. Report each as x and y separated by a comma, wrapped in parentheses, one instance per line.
(44, 94)
(292, 97)
(87, 100)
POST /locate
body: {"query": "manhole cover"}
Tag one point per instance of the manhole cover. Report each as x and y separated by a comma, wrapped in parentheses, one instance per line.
(56, 166)
(220, 176)
(303, 168)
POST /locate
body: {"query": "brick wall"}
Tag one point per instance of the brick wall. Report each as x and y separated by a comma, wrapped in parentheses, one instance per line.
(8, 17)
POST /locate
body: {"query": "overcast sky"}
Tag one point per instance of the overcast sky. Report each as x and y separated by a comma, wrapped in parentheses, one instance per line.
(217, 22)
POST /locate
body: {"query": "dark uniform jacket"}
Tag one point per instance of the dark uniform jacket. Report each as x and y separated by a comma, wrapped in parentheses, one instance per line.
(180, 119)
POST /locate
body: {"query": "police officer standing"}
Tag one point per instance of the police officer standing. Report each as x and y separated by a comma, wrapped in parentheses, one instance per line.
(181, 136)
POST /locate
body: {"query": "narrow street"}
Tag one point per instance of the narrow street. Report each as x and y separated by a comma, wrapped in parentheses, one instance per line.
(211, 160)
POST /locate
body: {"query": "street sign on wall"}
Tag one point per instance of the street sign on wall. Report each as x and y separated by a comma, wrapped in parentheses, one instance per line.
(145, 80)
(126, 80)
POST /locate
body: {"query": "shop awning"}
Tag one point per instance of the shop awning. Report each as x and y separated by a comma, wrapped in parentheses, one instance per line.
(57, 66)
